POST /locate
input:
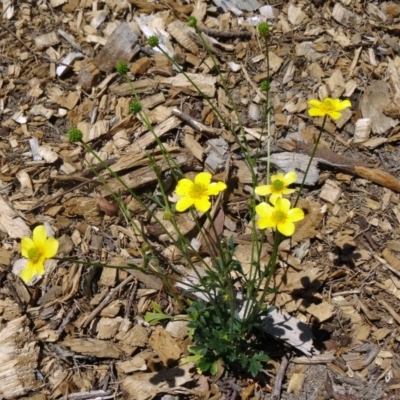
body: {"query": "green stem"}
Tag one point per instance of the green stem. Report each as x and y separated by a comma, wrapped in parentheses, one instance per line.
(310, 160)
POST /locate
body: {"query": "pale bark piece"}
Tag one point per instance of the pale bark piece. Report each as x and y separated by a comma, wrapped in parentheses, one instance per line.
(392, 260)
(297, 380)
(362, 130)
(306, 49)
(275, 62)
(47, 40)
(19, 359)
(374, 142)
(25, 182)
(376, 97)
(165, 346)
(206, 83)
(137, 363)
(345, 16)
(135, 337)
(39, 109)
(375, 12)
(107, 328)
(85, 206)
(159, 130)
(330, 192)
(180, 31)
(185, 222)
(290, 330)
(93, 347)
(348, 311)
(178, 329)
(120, 46)
(193, 145)
(217, 154)
(296, 15)
(69, 39)
(199, 10)
(322, 311)
(10, 221)
(57, 3)
(144, 176)
(231, 5)
(47, 153)
(66, 63)
(145, 386)
(8, 7)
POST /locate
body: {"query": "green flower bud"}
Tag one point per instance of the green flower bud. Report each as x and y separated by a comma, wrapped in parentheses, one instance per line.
(250, 203)
(122, 67)
(75, 135)
(168, 215)
(265, 86)
(263, 29)
(153, 41)
(192, 22)
(135, 107)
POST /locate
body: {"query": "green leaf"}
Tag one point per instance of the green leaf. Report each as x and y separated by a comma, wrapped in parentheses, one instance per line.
(194, 358)
(154, 318)
(213, 368)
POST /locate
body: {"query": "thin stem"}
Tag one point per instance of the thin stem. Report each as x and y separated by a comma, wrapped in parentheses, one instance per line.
(310, 160)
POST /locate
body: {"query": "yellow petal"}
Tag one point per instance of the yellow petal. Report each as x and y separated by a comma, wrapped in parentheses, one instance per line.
(203, 204)
(343, 105)
(39, 237)
(290, 178)
(286, 228)
(277, 177)
(184, 203)
(339, 105)
(274, 197)
(287, 191)
(295, 214)
(314, 103)
(183, 187)
(26, 245)
(266, 222)
(203, 178)
(264, 210)
(282, 205)
(51, 248)
(334, 114)
(316, 112)
(215, 188)
(263, 190)
(31, 270)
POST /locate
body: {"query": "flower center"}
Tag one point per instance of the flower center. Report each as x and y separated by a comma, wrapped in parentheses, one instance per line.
(278, 185)
(198, 191)
(280, 217)
(328, 103)
(33, 254)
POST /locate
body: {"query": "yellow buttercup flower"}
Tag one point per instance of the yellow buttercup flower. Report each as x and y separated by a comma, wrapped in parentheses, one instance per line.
(329, 107)
(279, 216)
(278, 187)
(197, 193)
(37, 250)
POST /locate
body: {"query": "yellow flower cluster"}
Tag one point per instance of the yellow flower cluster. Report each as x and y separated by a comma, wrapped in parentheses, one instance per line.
(279, 215)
